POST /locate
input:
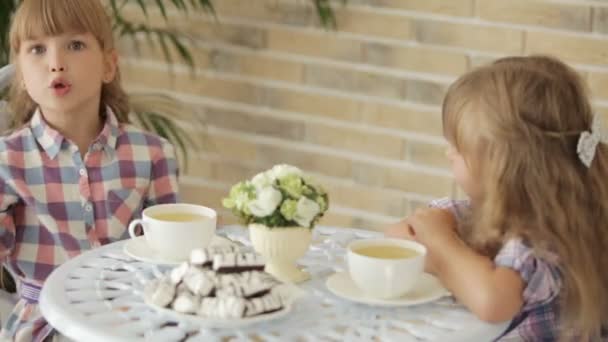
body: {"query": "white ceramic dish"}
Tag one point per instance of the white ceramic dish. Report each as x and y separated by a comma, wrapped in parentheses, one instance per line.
(427, 289)
(139, 249)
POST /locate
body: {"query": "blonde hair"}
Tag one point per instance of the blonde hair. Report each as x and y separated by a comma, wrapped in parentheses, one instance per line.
(517, 123)
(38, 18)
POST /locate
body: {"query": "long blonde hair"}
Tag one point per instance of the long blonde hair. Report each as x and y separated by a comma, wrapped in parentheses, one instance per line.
(37, 18)
(517, 122)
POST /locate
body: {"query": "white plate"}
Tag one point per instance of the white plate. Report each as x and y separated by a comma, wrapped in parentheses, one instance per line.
(221, 323)
(426, 290)
(288, 291)
(139, 249)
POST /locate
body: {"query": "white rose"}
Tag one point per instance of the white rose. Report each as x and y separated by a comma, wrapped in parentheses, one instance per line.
(262, 180)
(306, 210)
(267, 201)
(280, 171)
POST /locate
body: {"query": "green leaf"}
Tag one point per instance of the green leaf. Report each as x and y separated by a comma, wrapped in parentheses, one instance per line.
(142, 5)
(162, 8)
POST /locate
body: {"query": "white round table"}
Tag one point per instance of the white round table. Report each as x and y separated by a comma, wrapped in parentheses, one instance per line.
(97, 296)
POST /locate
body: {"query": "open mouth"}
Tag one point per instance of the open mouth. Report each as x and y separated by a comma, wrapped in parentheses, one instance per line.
(60, 87)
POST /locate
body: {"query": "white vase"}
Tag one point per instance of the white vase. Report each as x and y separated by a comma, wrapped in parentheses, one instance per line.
(282, 247)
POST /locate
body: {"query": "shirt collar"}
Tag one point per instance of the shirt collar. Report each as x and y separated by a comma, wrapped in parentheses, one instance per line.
(52, 141)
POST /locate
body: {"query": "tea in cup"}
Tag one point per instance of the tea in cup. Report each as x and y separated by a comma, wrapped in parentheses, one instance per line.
(385, 268)
(173, 230)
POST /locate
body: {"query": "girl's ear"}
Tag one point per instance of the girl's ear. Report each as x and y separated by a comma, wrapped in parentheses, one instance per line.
(110, 67)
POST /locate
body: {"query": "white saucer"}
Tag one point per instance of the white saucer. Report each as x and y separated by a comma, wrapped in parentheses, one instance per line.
(138, 249)
(428, 289)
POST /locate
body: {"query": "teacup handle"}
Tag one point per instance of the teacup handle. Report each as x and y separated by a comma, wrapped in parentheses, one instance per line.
(134, 225)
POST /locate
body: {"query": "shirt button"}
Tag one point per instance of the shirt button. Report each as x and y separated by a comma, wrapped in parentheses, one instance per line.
(82, 172)
(88, 207)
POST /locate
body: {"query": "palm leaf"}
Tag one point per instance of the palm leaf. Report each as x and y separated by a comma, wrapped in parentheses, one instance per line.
(158, 113)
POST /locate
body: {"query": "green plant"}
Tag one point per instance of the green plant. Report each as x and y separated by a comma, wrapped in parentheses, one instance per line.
(280, 197)
(147, 110)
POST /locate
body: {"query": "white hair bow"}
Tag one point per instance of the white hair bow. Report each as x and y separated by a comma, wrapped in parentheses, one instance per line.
(588, 141)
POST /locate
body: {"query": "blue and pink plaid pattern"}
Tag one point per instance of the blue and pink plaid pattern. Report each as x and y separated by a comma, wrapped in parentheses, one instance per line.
(54, 204)
(539, 318)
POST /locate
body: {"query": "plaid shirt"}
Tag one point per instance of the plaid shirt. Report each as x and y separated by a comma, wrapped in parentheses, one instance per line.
(538, 319)
(54, 205)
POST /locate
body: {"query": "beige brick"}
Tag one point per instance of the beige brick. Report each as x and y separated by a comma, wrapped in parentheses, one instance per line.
(314, 104)
(200, 85)
(477, 61)
(329, 165)
(202, 27)
(254, 65)
(143, 49)
(470, 36)
(450, 7)
(367, 199)
(357, 141)
(373, 24)
(600, 20)
(405, 119)
(204, 195)
(598, 83)
(298, 13)
(577, 49)
(540, 13)
(232, 172)
(418, 58)
(426, 92)
(355, 81)
(417, 182)
(368, 174)
(603, 111)
(317, 44)
(251, 123)
(427, 154)
(223, 145)
(199, 167)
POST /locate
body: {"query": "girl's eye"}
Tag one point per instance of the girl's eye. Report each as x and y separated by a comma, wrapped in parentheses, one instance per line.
(37, 49)
(76, 45)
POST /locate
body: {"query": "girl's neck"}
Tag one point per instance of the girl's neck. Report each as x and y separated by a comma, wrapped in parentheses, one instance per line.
(81, 128)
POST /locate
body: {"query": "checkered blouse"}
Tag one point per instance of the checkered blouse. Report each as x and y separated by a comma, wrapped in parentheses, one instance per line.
(538, 319)
(54, 204)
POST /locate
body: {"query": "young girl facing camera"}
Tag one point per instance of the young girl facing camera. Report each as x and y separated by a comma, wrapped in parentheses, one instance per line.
(73, 173)
(531, 244)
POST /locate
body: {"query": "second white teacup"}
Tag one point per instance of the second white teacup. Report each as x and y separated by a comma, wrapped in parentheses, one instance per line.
(173, 230)
(385, 268)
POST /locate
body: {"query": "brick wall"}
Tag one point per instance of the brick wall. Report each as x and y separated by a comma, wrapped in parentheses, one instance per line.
(359, 108)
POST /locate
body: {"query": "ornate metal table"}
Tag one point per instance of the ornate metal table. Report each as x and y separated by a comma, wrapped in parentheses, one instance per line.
(97, 296)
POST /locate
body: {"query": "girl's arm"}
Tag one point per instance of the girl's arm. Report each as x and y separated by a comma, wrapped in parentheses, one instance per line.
(494, 294)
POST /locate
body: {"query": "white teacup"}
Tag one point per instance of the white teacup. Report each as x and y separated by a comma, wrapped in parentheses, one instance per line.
(173, 230)
(385, 268)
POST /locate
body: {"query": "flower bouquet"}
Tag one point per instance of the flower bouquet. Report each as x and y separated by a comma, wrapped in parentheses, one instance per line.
(280, 206)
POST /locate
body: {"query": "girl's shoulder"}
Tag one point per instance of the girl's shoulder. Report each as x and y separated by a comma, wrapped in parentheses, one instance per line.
(19, 140)
(539, 270)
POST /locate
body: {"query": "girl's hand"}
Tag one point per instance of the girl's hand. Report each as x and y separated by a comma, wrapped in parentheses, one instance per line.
(435, 229)
(432, 226)
(400, 230)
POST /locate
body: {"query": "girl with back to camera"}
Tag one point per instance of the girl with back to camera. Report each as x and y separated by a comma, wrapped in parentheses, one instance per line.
(73, 173)
(531, 244)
